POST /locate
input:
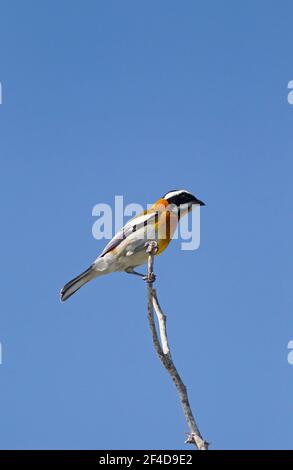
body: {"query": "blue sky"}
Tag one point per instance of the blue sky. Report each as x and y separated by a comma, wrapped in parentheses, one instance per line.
(138, 98)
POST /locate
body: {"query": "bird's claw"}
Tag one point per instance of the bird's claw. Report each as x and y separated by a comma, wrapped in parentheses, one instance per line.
(150, 278)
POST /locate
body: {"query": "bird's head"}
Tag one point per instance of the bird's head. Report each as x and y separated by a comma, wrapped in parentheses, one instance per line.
(181, 197)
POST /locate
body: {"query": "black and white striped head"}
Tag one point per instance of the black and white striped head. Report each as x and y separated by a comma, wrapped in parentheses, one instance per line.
(179, 197)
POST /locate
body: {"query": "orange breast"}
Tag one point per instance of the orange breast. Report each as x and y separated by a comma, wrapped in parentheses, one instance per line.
(166, 227)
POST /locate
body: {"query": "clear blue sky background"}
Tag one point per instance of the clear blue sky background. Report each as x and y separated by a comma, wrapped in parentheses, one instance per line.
(136, 98)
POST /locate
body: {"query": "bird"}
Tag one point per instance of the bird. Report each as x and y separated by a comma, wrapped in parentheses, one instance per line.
(127, 249)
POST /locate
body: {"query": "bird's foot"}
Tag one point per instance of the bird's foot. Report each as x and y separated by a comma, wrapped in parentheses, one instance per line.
(150, 278)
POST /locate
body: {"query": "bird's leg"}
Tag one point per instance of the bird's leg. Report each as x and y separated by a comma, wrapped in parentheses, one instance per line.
(131, 271)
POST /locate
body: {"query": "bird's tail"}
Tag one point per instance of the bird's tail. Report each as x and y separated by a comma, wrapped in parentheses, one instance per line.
(72, 286)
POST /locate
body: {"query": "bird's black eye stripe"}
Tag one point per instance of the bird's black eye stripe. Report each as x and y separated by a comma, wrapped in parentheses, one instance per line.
(134, 228)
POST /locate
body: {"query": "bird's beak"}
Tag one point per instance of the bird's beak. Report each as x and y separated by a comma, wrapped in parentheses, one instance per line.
(200, 203)
(197, 202)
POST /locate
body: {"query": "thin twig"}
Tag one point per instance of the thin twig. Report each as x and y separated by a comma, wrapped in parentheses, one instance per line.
(163, 350)
(162, 320)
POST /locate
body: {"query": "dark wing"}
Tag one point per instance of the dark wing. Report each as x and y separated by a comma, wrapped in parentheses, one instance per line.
(132, 226)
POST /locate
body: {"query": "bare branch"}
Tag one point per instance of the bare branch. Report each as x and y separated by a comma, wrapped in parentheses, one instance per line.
(163, 350)
(162, 320)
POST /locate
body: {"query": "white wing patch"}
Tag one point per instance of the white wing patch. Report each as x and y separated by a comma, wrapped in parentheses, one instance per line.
(132, 226)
